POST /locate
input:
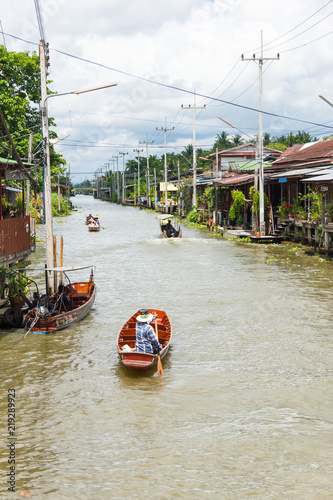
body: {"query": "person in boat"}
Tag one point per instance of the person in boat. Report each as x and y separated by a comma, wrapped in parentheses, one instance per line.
(146, 340)
(169, 229)
(64, 297)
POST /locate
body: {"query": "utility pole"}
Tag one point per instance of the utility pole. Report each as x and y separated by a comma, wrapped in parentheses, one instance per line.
(165, 129)
(123, 187)
(148, 173)
(155, 190)
(261, 60)
(27, 207)
(179, 199)
(194, 108)
(138, 151)
(43, 57)
(118, 190)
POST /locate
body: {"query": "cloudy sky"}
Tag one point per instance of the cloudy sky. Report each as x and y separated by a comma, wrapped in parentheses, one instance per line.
(168, 53)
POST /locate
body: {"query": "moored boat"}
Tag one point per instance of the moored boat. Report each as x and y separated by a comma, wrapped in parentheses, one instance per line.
(127, 337)
(61, 309)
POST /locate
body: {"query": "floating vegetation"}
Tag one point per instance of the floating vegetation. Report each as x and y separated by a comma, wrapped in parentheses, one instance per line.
(270, 261)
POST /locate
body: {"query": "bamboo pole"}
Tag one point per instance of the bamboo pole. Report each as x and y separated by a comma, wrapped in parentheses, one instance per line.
(61, 263)
(55, 259)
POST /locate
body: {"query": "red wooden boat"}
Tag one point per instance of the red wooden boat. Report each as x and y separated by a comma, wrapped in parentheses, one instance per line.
(94, 224)
(52, 314)
(127, 336)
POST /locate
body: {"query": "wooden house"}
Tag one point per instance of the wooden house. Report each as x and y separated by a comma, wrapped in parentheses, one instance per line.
(15, 228)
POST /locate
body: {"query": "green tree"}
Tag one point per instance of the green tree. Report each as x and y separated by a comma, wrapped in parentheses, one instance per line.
(19, 102)
(222, 141)
(237, 140)
(291, 139)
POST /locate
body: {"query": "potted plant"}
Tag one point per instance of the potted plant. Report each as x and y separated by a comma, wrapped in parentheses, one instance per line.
(284, 209)
(16, 282)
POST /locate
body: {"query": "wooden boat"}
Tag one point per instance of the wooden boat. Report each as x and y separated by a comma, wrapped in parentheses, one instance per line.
(169, 227)
(94, 224)
(52, 314)
(127, 336)
(89, 218)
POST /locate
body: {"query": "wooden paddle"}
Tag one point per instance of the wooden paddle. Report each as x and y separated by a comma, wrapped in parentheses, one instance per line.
(159, 362)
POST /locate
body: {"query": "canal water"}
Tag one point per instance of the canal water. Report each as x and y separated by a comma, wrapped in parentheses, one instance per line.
(244, 406)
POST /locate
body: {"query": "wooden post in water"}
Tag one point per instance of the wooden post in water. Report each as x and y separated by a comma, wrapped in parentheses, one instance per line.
(61, 263)
(54, 261)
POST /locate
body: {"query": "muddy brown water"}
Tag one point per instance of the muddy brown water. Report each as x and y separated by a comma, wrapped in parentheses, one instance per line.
(244, 407)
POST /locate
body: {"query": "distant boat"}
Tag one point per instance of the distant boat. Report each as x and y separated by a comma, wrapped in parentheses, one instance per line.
(56, 312)
(169, 226)
(127, 337)
(89, 218)
(94, 224)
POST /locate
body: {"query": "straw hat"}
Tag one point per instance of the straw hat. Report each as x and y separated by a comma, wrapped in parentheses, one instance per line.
(145, 316)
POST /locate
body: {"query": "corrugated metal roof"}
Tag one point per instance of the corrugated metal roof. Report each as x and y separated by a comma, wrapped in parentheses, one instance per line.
(250, 165)
(307, 152)
(234, 179)
(298, 172)
(6, 161)
(321, 175)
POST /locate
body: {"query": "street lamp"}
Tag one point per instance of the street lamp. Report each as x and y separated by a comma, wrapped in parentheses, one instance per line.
(326, 100)
(47, 170)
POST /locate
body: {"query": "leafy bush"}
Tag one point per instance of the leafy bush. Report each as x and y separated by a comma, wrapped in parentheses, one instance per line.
(238, 201)
(193, 216)
(64, 206)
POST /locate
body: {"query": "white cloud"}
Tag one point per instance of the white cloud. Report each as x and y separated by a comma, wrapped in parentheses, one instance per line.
(186, 44)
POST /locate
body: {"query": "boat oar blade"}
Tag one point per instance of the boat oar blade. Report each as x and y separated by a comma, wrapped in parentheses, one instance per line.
(159, 365)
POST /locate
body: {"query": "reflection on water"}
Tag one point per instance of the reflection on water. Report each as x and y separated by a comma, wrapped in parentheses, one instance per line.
(244, 407)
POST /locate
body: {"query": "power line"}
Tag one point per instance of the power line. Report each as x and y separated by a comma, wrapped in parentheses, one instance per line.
(292, 29)
(40, 20)
(179, 89)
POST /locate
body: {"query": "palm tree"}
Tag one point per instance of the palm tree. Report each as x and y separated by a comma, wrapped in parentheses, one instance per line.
(237, 140)
(222, 141)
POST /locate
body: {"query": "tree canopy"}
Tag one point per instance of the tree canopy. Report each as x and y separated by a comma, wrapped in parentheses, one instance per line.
(19, 102)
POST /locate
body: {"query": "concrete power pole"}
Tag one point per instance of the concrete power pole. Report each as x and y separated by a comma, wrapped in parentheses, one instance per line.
(165, 129)
(194, 108)
(261, 60)
(139, 177)
(43, 56)
(27, 207)
(117, 178)
(123, 186)
(148, 173)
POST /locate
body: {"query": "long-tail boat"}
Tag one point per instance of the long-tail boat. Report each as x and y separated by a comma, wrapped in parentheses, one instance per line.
(69, 304)
(94, 224)
(169, 226)
(127, 337)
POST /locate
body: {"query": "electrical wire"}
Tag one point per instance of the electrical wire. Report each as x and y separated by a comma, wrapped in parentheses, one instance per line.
(39, 20)
(289, 31)
(179, 89)
(307, 43)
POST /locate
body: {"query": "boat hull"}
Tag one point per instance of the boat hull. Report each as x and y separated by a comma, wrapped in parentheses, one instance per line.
(83, 297)
(141, 361)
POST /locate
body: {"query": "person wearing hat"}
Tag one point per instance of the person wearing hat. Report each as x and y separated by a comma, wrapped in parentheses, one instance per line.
(146, 340)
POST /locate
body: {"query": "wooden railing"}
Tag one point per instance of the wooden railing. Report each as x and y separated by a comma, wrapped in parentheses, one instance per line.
(14, 235)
